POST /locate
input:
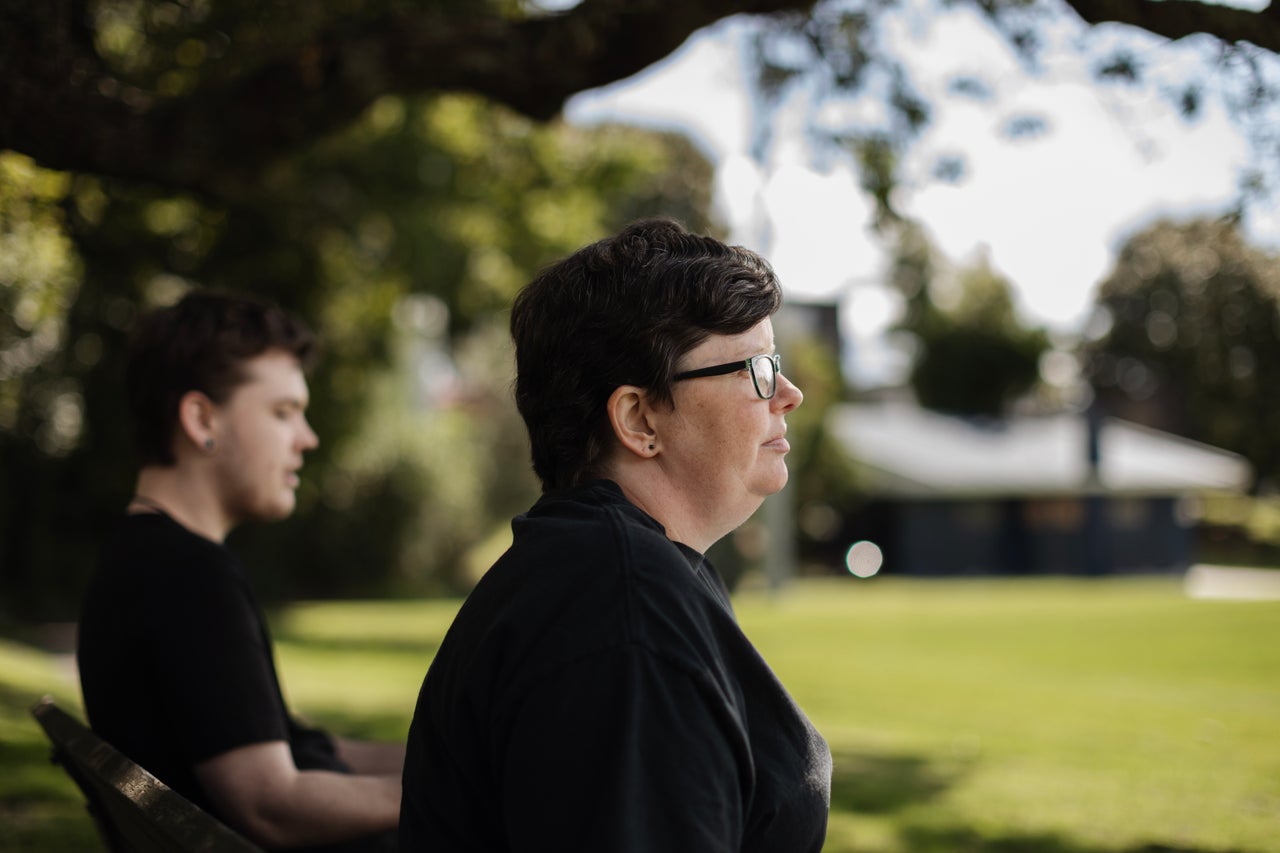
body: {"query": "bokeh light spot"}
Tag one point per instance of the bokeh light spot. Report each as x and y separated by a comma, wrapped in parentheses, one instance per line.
(864, 559)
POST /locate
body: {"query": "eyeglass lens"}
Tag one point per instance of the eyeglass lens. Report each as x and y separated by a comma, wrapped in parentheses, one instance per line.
(764, 372)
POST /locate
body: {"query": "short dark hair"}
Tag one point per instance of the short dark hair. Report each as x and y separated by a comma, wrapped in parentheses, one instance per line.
(622, 311)
(200, 344)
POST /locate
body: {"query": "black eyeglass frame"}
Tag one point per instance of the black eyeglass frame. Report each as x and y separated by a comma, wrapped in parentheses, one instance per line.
(748, 364)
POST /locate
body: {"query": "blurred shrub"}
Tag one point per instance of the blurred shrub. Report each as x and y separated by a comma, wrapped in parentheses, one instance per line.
(444, 205)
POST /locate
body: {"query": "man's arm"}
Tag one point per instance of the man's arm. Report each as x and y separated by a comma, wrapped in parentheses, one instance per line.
(264, 795)
(371, 757)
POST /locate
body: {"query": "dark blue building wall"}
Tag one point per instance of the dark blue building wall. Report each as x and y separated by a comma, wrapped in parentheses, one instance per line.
(1032, 536)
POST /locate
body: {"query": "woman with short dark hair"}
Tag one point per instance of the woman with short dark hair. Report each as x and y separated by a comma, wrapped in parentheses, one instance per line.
(595, 691)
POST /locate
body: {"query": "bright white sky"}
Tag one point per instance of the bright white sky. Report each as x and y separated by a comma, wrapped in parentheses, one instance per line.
(1048, 211)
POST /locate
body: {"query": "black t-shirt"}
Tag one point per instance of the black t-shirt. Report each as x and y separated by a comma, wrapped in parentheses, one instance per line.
(595, 692)
(176, 664)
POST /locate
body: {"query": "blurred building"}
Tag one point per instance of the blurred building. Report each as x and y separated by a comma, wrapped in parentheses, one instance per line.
(1062, 494)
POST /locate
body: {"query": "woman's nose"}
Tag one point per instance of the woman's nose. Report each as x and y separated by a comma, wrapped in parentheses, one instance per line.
(788, 394)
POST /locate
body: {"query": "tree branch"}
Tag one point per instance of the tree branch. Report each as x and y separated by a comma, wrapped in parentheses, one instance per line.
(1175, 19)
(60, 104)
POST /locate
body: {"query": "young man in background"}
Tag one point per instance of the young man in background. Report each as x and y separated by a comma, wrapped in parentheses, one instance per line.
(176, 664)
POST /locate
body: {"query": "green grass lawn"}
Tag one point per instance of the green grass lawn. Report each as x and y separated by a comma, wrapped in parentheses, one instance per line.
(994, 716)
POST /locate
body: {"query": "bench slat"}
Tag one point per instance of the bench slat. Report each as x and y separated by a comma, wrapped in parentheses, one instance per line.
(135, 812)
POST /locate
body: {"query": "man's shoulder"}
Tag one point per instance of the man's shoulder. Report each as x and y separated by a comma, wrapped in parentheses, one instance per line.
(141, 535)
(151, 552)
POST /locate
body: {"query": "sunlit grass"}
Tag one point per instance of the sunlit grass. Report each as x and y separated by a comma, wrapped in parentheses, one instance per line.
(995, 716)
(357, 666)
(1104, 715)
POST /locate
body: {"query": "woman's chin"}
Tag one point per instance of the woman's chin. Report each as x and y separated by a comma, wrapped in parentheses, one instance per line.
(779, 479)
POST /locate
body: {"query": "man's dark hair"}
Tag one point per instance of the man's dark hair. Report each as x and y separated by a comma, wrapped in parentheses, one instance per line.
(200, 344)
(622, 311)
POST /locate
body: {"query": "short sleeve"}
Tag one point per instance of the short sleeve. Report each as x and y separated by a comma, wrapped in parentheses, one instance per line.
(212, 663)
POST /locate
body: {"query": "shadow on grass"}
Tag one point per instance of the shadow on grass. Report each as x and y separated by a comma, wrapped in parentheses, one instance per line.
(52, 637)
(885, 784)
(882, 783)
(426, 649)
(961, 840)
(30, 776)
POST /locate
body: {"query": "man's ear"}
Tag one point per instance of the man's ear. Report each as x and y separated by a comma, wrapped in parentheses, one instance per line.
(630, 414)
(197, 419)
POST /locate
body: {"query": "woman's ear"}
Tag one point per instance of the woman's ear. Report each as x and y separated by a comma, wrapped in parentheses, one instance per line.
(631, 417)
(197, 420)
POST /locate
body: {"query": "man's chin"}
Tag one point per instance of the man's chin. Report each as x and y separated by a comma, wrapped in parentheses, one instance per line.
(285, 509)
(276, 511)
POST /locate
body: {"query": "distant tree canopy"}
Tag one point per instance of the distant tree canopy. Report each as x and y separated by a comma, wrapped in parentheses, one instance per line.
(971, 364)
(972, 354)
(1192, 339)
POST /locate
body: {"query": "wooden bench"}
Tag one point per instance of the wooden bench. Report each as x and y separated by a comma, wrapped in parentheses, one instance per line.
(135, 812)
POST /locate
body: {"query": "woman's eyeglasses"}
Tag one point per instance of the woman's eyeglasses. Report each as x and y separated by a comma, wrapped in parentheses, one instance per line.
(764, 372)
